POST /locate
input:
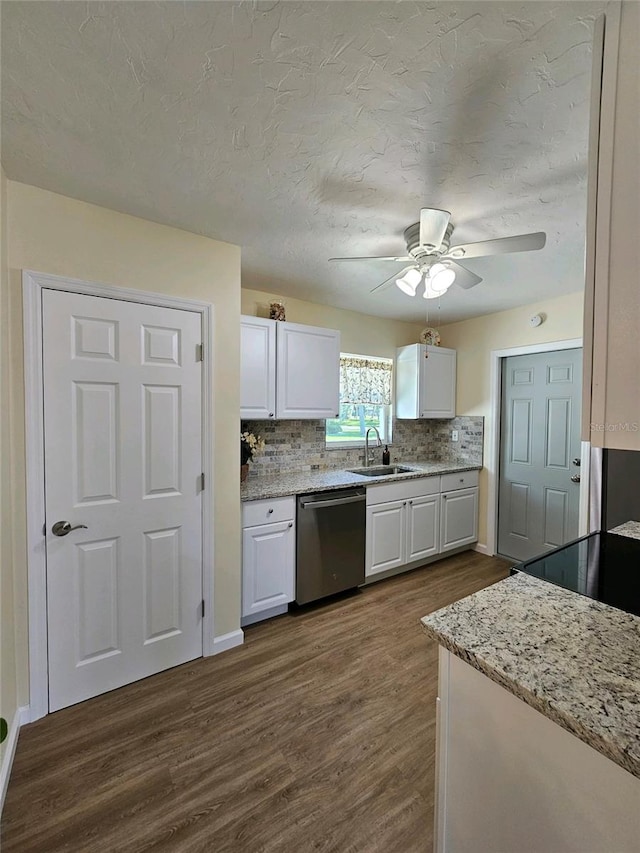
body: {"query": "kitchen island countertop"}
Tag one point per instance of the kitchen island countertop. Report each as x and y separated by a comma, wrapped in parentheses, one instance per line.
(300, 482)
(575, 660)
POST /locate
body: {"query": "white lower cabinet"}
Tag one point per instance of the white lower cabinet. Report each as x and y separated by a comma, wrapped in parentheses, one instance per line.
(385, 538)
(268, 558)
(459, 519)
(402, 523)
(412, 521)
(422, 527)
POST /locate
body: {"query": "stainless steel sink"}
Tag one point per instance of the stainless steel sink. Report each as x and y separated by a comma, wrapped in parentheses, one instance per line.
(381, 470)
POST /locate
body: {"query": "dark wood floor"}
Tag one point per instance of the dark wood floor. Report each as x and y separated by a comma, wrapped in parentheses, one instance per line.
(317, 735)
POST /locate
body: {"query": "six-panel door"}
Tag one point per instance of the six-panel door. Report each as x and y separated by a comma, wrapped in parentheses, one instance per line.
(123, 457)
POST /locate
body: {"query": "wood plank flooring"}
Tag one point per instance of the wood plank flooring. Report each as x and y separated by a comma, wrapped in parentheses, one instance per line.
(318, 734)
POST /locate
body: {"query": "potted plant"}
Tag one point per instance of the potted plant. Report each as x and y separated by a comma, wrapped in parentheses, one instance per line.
(250, 444)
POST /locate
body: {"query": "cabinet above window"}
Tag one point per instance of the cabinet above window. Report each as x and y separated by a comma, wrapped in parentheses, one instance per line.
(288, 371)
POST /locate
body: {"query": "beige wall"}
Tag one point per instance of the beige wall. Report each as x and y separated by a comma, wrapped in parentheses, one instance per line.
(475, 339)
(360, 333)
(53, 234)
(8, 684)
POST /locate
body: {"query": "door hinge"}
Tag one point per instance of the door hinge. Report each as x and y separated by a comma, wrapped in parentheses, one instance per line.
(203, 608)
(199, 352)
(202, 482)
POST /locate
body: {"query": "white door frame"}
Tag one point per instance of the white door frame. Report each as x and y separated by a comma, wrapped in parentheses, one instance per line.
(33, 283)
(493, 461)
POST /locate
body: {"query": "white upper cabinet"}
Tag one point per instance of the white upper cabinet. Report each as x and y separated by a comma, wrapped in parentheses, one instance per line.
(257, 368)
(288, 371)
(425, 382)
(308, 372)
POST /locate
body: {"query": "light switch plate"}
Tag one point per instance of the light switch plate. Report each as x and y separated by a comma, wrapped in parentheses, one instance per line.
(454, 435)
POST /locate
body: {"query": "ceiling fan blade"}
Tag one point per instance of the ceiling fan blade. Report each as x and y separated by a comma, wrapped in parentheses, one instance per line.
(393, 277)
(464, 277)
(501, 246)
(396, 260)
(433, 226)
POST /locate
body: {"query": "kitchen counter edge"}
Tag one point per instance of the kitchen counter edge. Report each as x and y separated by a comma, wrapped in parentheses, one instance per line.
(575, 660)
(301, 482)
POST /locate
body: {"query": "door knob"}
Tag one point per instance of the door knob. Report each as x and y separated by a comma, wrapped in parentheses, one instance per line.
(576, 461)
(575, 478)
(61, 528)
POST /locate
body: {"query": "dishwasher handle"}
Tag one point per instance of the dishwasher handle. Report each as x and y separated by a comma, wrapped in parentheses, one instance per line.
(314, 504)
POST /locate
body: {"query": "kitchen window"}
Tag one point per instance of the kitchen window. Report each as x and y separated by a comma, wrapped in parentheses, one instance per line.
(365, 401)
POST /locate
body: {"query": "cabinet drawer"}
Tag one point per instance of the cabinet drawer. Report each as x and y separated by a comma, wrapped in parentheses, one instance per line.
(266, 511)
(402, 489)
(459, 480)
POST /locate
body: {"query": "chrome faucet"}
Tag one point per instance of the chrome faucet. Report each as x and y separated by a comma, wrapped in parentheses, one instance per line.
(368, 459)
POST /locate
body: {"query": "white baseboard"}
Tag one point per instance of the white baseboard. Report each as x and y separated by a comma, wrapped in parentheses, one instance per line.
(279, 610)
(228, 641)
(483, 549)
(19, 718)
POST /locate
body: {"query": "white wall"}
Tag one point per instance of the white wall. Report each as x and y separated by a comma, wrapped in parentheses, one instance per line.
(474, 341)
(360, 333)
(54, 234)
(8, 681)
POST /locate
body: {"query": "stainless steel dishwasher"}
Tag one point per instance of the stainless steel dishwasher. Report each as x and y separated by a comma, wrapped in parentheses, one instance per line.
(330, 544)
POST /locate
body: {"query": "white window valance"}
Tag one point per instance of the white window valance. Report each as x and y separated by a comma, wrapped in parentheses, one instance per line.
(365, 381)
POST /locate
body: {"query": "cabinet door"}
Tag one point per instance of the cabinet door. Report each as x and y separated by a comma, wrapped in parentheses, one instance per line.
(257, 368)
(268, 566)
(423, 515)
(385, 537)
(308, 372)
(458, 519)
(437, 392)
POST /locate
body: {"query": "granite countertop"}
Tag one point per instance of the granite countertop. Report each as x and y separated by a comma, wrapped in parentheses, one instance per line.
(629, 528)
(575, 660)
(300, 482)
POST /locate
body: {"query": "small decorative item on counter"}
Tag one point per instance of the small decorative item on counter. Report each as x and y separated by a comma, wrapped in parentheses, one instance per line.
(250, 444)
(430, 337)
(386, 456)
(276, 311)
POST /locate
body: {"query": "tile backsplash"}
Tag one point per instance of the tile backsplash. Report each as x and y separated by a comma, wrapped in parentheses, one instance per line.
(300, 445)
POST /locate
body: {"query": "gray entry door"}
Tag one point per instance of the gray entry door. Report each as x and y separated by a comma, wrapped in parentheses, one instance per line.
(538, 502)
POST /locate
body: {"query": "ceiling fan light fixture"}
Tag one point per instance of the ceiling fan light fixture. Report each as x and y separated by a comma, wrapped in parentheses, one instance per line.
(441, 277)
(409, 282)
(438, 280)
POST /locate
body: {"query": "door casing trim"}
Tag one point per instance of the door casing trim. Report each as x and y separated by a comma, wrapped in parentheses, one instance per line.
(33, 283)
(493, 455)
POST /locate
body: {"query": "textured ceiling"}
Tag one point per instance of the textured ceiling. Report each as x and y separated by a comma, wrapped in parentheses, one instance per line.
(305, 130)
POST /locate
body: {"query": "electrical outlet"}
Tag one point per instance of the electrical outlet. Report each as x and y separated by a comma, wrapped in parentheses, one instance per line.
(454, 435)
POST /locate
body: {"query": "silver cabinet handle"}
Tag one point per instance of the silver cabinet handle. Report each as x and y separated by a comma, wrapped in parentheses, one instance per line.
(270, 414)
(291, 524)
(404, 503)
(270, 510)
(410, 503)
(61, 528)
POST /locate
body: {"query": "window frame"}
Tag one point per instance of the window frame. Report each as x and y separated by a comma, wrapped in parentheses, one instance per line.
(386, 412)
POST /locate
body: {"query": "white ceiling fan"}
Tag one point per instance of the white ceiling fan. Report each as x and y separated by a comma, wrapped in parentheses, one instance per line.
(434, 260)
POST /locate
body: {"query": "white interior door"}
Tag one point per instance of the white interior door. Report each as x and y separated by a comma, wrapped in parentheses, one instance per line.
(539, 497)
(123, 456)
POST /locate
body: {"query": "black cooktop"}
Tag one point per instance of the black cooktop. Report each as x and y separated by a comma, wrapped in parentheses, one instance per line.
(603, 566)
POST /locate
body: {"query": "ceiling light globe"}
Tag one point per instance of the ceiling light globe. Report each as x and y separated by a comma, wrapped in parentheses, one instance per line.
(443, 279)
(409, 282)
